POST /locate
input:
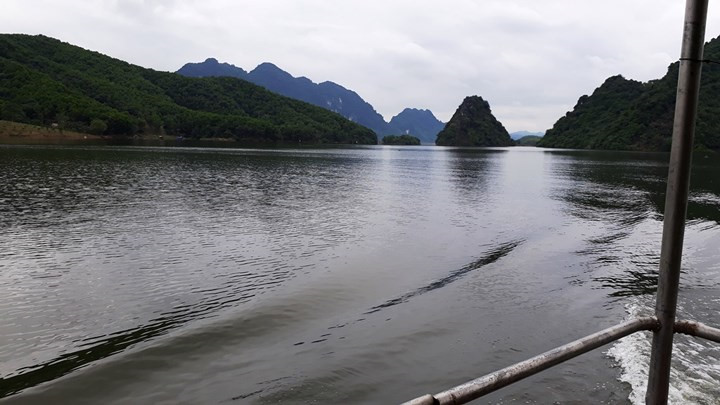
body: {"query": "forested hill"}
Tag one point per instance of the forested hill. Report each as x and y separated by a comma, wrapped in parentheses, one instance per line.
(328, 95)
(629, 115)
(45, 81)
(473, 124)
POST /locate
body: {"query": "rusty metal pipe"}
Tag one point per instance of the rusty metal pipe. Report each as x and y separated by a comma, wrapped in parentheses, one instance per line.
(698, 329)
(491, 382)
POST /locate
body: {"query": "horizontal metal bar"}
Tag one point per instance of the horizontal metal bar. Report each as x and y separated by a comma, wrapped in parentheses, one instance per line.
(698, 329)
(423, 400)
(491, 382)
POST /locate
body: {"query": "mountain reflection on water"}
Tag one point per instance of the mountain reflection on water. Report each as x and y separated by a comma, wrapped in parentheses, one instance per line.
(622, 191)
(338, 275)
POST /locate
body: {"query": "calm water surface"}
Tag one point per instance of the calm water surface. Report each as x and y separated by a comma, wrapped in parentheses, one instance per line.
(359, 276)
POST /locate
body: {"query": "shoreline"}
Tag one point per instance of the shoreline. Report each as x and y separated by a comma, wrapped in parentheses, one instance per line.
(15, 133)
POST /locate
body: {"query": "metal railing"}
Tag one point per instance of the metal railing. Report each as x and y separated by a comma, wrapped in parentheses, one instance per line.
(494, 381)
(663, 324)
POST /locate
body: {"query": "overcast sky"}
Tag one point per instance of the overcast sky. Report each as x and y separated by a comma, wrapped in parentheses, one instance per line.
(531, 59)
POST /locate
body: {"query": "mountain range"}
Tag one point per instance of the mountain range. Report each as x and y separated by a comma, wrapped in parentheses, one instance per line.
(329, 95)
(44, 81)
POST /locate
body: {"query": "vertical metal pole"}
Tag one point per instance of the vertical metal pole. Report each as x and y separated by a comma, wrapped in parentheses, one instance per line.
(676, 196)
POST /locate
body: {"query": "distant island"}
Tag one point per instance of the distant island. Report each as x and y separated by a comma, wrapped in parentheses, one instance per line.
(625, 114)
(48, 83)
(329, 95)
(400, 140)
(473, 124)
(520, 134)
(528, 140)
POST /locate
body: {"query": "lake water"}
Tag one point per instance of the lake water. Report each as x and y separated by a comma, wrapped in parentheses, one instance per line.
(355, 276)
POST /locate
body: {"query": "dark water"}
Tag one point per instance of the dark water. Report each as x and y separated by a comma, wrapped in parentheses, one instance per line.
(370, 275)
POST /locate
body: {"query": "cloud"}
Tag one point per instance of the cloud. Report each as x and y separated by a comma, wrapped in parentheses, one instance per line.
(531, 60)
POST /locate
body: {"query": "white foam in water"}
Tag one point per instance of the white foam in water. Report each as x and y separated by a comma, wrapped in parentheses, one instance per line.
(695, 373)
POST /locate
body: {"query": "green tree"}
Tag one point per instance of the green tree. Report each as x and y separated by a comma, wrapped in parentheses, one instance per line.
(98, 126)
(400, 140)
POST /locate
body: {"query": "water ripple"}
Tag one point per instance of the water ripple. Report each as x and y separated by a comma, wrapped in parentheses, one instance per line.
(488, 258)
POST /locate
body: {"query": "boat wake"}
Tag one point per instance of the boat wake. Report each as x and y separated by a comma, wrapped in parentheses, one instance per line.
(695, 373)
(488, 258)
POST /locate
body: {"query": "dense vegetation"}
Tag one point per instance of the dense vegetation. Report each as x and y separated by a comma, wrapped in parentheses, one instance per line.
(528, 140)
(629, 115)
(45, 81)
(474, 125)
(400, 140)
